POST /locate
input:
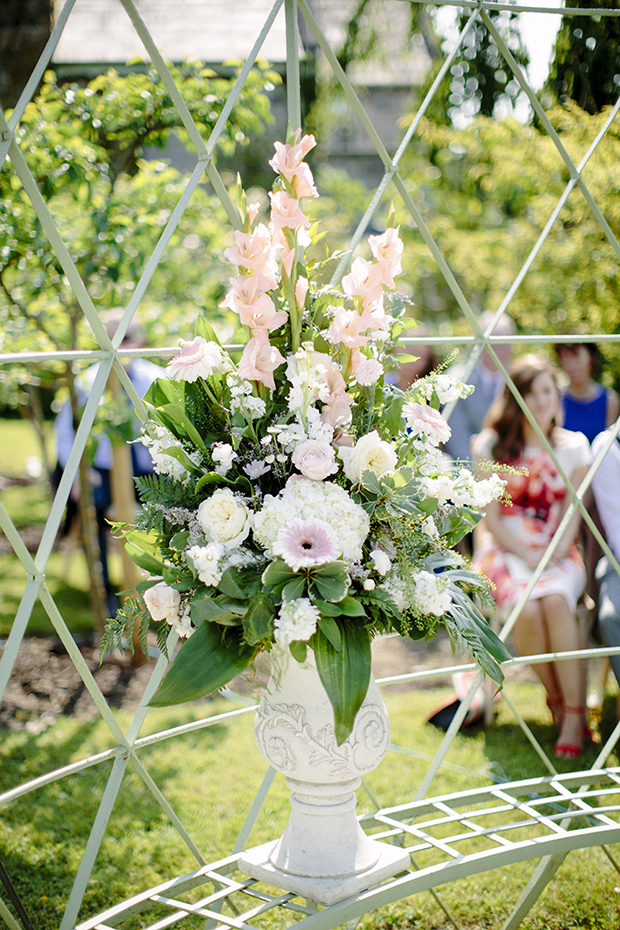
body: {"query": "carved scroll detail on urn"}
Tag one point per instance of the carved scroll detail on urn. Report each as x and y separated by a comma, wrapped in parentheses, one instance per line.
(286, 739)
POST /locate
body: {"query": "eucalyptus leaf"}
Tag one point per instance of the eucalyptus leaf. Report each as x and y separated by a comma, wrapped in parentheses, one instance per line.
(206, 661)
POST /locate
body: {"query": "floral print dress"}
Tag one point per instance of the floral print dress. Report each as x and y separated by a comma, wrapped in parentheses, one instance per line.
(537, 498)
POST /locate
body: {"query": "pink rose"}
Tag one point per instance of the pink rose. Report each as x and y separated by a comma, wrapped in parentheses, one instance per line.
(162, 602)
(421, 418)
(365, 370)
(259, 361)
(315, 459)
(387, 249)
(286, 212)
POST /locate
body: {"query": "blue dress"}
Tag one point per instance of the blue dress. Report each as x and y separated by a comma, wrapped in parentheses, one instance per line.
(586, 416)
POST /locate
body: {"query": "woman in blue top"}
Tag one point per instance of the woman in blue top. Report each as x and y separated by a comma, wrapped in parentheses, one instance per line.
(588, 407)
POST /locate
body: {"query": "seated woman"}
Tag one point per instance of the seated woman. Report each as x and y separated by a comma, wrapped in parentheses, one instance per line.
(513, 538)
(588, 407)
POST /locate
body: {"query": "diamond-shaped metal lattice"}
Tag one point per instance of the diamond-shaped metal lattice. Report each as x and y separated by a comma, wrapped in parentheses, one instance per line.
(127, 745)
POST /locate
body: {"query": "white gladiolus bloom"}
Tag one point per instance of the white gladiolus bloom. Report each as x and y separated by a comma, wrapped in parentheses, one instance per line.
(382, 561)
(224, 518)
(431, 594)
(370, 453)
(157, 443)
(205, 560)
(296, 621)
(224, 455)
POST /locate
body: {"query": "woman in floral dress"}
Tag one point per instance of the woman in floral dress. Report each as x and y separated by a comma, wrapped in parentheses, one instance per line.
(513, 537)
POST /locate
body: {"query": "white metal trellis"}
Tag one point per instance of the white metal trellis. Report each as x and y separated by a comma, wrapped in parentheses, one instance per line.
(572, 795)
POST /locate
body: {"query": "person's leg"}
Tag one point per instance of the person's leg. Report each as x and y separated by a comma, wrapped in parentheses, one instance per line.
(564, 637)
(532, 638)
(609, 615)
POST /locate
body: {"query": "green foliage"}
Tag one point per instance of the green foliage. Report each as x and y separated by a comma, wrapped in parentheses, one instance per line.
(84, 145)
(121, 627)
(480, 80)
(206, 661)
(486, 210)
(586, 64)
(344, 672)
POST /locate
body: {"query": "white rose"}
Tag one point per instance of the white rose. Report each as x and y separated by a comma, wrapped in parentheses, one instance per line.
(370, 453)
(421, 418)
(162, 602)
(224, 518)
(369, 585)
(382, 561)
(315, 459)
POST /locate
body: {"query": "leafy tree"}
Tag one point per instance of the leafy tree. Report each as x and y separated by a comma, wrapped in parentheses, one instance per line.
(486, 209)
(480, 80)
(586, 64)
(85, 147)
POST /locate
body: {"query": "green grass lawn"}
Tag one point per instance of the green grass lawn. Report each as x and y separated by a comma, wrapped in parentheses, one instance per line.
(210, 778)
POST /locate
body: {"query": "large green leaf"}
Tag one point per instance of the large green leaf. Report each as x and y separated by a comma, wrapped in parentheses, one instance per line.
(204, 329)
(207, 661)
(345, 673)
(223, 610)
(258, 620)
(144, 559)
(240, 582)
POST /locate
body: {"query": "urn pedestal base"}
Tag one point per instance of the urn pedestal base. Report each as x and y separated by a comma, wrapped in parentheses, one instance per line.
(323, 854)
(257, 863)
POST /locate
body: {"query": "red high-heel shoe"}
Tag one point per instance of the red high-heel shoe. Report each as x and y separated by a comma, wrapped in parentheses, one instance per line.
(557, 709)
(569, 750)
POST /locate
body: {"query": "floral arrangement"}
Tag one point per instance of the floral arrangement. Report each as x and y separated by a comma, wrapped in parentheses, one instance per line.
(299, 498)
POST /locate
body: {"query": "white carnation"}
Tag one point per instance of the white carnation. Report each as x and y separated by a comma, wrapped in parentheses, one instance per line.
(158, 440)
(296, 621)
(223, 455)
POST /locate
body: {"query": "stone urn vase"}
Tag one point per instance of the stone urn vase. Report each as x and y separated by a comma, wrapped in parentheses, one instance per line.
(323, 854)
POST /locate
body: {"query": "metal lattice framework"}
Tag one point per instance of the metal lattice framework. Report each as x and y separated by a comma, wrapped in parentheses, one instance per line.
(449, 836)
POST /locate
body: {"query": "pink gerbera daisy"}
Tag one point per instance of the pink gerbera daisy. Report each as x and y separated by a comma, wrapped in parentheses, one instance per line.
(307, 542)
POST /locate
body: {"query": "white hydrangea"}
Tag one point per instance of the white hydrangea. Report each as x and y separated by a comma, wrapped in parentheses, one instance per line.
(296, 621)
(447, 388)
(157, 440)
(431, 594)
(303, 499)
(394, 586)
(205, 560)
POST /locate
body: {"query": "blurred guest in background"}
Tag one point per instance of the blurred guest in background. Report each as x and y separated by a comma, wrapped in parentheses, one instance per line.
(588, 407)
(468, 415)
(606, 486)
(513, 538)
